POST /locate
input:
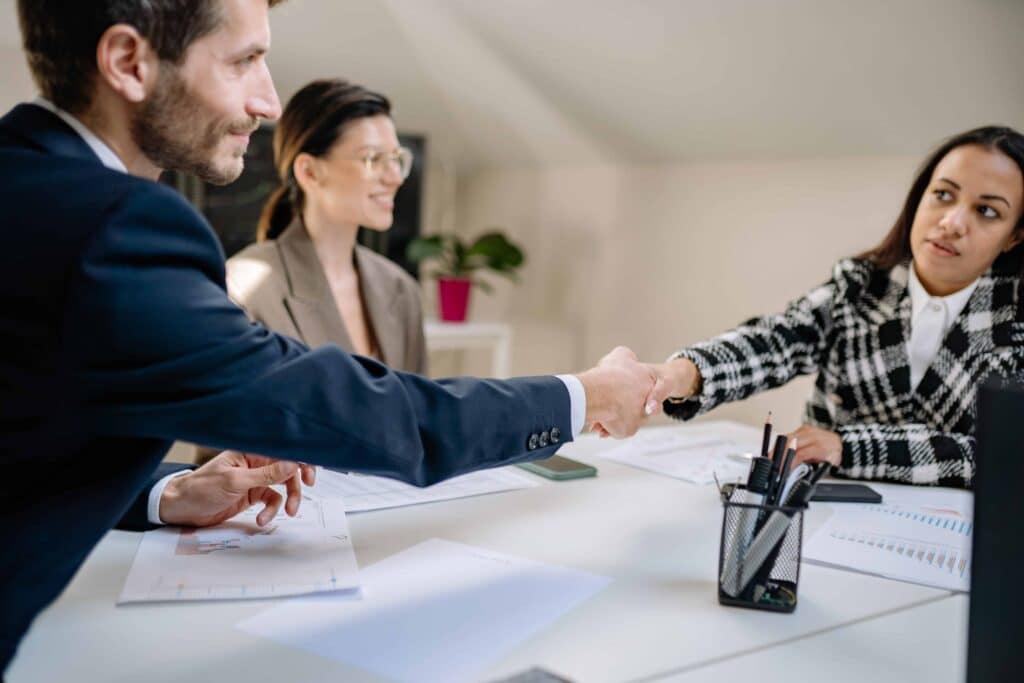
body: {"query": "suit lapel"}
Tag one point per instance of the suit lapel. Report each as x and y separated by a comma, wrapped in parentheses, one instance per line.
(968, 351)
(309, 299)
(887, 307)
(379, 298)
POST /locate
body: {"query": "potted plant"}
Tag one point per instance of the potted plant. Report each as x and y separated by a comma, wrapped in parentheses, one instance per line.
(457, 264)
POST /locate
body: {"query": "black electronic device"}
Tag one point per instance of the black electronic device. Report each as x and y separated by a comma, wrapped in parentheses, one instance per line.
(829, 492)
(996, 628)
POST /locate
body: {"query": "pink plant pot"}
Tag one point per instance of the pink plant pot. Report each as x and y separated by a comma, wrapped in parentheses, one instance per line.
(453, 296)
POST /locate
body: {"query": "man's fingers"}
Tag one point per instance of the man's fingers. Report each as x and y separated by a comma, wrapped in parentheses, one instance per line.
(294, 489)
(275, 473)
(309, 474)
(271, 500)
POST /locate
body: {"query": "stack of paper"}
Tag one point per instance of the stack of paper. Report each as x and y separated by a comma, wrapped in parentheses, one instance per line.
(361, 492)
(685, 453)
(309, 553)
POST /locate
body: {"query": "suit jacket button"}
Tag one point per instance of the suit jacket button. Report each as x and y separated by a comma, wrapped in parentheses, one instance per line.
(544, 440)
(556, 434)
(532, 443)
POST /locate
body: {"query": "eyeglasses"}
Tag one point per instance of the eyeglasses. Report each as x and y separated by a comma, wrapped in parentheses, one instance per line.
(377, 163)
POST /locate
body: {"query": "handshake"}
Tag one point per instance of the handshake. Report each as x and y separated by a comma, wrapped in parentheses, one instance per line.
(621, 391)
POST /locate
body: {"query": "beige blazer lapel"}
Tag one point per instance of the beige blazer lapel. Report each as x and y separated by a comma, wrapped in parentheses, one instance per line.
(380, 297)
(309, 300)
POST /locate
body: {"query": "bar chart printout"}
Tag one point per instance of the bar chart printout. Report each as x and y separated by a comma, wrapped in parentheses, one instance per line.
(920, 544)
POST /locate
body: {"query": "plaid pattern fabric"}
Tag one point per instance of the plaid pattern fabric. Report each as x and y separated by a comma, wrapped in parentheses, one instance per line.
(853, 332)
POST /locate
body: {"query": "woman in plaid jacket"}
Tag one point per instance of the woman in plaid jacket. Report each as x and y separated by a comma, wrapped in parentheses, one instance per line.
(901, 336)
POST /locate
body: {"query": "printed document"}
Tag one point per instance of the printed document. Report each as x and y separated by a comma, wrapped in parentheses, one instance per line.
(310, 553)
(923, 537)
(362, 492)
(695, 453)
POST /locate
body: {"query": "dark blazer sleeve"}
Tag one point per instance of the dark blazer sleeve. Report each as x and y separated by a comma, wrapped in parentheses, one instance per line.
(157, 349)
(136, 518)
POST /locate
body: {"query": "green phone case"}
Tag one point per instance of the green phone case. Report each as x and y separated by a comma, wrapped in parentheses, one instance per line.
(538, 468)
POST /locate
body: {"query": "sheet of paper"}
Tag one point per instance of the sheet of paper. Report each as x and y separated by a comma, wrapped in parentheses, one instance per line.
(310, 553)
(928, 544)
(684, 453)
(361, 492)
(439, 611)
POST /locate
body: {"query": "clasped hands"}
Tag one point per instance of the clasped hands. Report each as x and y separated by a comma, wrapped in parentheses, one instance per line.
(638, 390)
(622, 391)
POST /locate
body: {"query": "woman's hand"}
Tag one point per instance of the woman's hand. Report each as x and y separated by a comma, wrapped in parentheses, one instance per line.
(817, 445)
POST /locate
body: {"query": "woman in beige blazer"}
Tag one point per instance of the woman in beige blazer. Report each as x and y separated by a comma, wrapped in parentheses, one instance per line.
(340, 163)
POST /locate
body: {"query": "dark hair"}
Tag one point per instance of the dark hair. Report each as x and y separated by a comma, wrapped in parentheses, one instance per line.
(895, 247)
(60, 38)
(312, 122)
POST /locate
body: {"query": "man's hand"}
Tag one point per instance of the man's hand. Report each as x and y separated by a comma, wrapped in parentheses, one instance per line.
(617, 391)
(817, 445)
(230, 483)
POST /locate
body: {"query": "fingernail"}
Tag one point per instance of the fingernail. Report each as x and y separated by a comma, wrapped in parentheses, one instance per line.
(649, 408)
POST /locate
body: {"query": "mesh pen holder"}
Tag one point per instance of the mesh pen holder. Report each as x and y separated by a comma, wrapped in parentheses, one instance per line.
(759, 552)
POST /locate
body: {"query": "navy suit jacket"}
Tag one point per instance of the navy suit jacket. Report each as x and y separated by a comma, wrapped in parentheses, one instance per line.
(117, 337)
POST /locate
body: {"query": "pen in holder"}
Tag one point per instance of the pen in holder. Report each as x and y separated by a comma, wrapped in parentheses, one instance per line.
(759, 553)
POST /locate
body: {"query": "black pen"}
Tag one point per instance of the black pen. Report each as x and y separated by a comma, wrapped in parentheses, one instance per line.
(766, 441)
(784, 470)
(774, 483)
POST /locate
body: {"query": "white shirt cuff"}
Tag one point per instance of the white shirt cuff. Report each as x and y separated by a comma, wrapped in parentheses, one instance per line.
(577, 402)
(153, 504)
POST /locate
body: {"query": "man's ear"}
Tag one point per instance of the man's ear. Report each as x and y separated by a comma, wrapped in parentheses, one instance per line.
(126, 62)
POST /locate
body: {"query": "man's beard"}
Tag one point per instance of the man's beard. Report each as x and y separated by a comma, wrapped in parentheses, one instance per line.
(173, 134)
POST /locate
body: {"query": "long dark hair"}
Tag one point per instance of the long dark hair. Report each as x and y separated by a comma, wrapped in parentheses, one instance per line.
(312, 122)
(895, 247)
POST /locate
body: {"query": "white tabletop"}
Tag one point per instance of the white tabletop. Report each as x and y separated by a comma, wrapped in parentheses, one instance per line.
(924, 643)
(656, 537)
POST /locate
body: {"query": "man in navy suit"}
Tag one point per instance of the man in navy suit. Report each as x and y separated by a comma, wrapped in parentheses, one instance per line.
(117, 337)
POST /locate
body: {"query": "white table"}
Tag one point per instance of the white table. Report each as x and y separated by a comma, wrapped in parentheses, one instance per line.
(659, 619)
(494, 337)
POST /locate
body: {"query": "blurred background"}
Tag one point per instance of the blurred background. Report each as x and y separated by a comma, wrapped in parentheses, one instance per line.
(670, 167)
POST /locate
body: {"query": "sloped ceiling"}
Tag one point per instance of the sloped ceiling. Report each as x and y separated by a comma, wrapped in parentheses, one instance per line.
(502, 82)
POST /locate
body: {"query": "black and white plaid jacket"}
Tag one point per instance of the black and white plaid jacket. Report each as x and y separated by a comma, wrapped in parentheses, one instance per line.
(853, 332)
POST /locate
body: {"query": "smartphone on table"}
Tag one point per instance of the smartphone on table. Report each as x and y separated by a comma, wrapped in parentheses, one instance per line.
(559, 468)
(845, 493)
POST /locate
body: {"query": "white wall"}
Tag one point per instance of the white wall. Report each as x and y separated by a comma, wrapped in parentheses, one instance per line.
(659, 256)
(15, 82)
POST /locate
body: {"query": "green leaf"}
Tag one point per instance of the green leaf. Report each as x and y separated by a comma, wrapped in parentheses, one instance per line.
(425, 248)
(499, 253)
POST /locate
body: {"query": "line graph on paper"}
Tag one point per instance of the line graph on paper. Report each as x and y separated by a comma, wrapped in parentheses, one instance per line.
(943, 519)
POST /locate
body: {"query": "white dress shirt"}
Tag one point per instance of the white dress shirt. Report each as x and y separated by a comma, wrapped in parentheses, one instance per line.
(577, 396)
(100, 148)
(930, 320)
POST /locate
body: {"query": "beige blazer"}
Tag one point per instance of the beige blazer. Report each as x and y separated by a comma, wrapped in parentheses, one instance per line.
(281, 284)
